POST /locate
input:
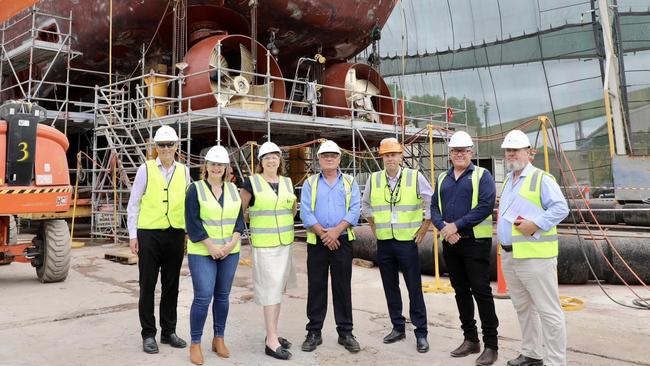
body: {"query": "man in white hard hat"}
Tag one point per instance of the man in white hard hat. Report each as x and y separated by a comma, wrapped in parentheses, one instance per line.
(330, 205)
(530, 208)
(461, 209)
(156, 223)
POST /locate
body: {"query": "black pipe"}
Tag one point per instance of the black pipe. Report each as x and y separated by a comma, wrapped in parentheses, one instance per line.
(572, 267)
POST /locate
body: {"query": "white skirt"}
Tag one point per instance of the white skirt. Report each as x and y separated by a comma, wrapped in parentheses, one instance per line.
(273, 273)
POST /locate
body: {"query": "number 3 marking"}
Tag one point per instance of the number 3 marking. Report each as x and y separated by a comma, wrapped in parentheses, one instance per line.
(23, 148)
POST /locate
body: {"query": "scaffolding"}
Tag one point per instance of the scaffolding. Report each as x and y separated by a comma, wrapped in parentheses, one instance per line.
(127, 115)
(35, 65)
(36, 55)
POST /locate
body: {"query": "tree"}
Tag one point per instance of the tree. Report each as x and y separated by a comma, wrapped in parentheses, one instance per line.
(426, 107)
(433, 106)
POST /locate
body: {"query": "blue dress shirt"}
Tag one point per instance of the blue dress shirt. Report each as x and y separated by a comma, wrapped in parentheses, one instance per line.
(553, 202)
(330, 203)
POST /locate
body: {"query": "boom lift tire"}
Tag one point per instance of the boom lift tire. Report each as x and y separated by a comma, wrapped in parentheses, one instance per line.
(54, 247)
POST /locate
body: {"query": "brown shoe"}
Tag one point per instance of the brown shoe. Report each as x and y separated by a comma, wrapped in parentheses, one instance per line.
(219, 347)
(196, 355)
(488, 357)
(466, 348)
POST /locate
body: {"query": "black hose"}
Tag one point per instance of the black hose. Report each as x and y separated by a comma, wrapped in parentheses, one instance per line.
(637, 302)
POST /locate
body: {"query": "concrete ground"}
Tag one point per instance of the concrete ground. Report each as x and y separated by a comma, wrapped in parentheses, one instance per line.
(92, 319)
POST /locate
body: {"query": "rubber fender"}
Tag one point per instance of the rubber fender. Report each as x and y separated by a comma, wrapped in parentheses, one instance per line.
(636, 252)
(636, 214)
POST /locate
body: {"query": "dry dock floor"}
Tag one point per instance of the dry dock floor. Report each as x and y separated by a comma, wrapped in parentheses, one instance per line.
(92, 319)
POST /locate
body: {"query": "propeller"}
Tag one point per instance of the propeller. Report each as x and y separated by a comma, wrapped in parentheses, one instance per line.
(235, 88)
(360, 92)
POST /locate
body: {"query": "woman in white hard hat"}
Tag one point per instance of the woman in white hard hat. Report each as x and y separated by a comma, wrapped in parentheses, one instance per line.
(156, 222)
(214, 221)
(271, 204)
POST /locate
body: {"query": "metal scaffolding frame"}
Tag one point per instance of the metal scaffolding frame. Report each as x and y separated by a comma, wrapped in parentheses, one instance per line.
(125, 122)
(33, 48)
(125, 116)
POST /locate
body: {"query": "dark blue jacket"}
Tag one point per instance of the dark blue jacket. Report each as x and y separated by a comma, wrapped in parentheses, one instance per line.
(457, 201)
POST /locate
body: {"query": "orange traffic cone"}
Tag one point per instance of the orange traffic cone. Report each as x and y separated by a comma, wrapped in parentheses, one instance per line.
(502, 287)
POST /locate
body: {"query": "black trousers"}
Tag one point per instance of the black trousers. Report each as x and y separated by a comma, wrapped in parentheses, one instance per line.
(468, 263)
(394, 256)
(321, 261)
(159, 251)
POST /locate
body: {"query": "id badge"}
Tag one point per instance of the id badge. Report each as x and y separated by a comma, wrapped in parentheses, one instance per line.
(393, 217)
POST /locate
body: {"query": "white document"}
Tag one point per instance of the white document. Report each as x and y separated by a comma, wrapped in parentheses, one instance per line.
(524, 208)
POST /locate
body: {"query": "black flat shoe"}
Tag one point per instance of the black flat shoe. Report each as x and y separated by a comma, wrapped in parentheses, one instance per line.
(149, 345)
(280, 353)
(173, 340)
(283, 342)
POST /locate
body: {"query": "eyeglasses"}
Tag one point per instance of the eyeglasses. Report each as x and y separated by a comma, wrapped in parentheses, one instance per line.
(460, 151)
(163, 145)
(329, 155)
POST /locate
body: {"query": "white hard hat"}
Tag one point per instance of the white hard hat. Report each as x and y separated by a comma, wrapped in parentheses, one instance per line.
(218, 154)
(165, 133)
(268, 147)
(329, 146)
(515, 139)
(461, 139)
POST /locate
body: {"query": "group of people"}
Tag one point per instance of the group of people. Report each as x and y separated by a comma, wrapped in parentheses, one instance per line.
(167, 210)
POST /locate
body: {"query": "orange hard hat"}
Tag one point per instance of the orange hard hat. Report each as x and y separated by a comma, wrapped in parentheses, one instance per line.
(390, 145)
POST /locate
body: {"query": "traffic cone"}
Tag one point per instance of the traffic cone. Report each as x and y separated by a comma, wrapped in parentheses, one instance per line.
(502, 287)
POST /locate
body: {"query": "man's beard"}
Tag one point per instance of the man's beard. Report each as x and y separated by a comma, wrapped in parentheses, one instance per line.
(516, 166)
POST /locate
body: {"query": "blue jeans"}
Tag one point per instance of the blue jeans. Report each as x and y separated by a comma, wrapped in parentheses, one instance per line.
(210, 279)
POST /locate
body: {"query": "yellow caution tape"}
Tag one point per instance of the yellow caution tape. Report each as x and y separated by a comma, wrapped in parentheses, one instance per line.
(35, 190)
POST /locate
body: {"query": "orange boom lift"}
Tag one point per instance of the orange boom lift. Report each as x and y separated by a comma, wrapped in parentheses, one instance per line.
(34, 178)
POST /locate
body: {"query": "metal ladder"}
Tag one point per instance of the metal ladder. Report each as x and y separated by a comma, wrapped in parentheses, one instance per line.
(298, 101)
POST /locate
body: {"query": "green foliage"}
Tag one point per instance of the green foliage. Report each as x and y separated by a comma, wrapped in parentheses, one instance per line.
(433, 107)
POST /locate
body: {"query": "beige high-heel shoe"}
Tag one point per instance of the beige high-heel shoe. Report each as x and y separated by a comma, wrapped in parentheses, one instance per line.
(219, 347)
(196, 355)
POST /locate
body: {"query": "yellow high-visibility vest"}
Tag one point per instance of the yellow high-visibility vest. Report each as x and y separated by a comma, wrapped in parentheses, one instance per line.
(218, 222)
(271, 218)
(163, 205)
(407, 209)
(527, 246)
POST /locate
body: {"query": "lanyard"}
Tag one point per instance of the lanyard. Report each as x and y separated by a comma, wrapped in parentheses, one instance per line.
(395, 191)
